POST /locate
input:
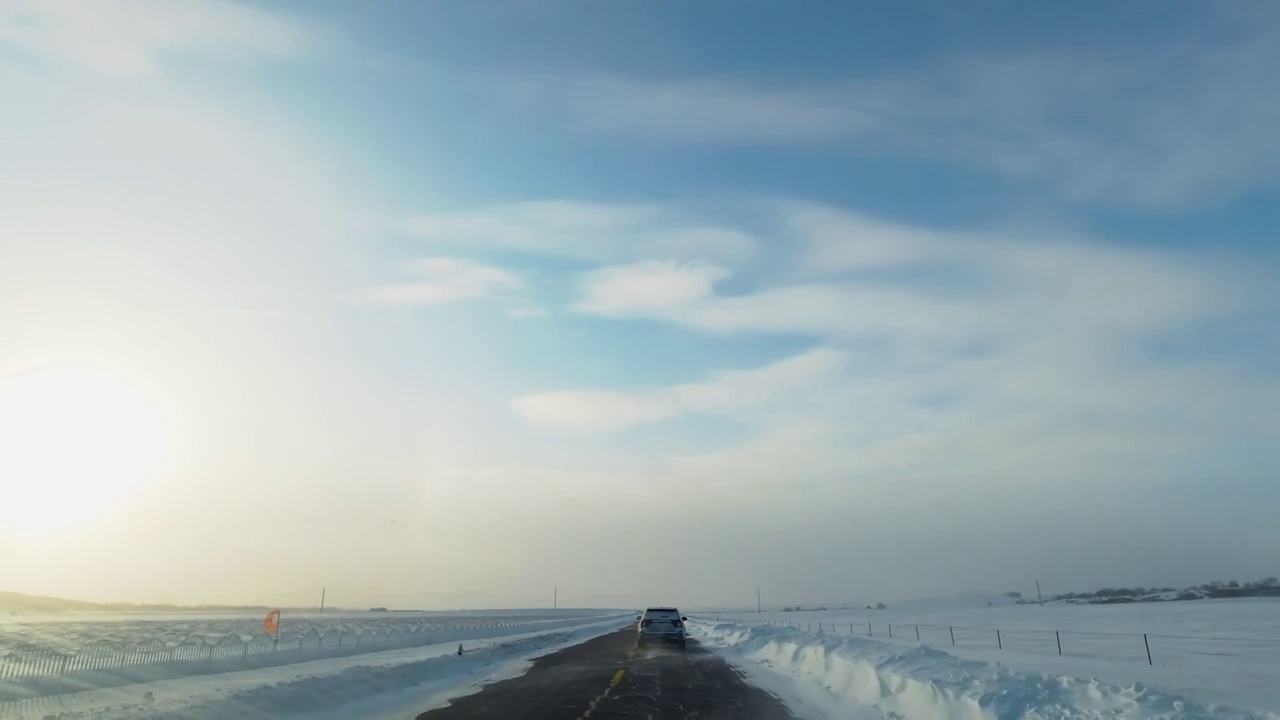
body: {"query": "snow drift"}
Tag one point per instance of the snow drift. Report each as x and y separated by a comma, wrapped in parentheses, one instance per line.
(922, 683)
(390, 685)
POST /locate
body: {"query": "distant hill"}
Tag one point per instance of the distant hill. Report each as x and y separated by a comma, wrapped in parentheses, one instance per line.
(12, 603)
(17, 603)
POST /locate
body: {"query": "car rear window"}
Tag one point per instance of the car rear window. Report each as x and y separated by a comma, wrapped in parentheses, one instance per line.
(662, 615)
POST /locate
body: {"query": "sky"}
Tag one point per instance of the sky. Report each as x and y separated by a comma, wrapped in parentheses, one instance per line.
(452, 304)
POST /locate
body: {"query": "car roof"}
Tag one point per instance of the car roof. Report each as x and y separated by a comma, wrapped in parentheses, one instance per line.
(662, 609)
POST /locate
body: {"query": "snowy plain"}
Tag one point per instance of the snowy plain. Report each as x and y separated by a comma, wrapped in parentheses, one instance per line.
(389, 685)
(68, 631)
(1209, 653)
(1213, 659)
(826, 676)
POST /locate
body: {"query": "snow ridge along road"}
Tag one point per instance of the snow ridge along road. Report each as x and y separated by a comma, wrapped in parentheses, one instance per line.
(820, 672)
(390, 685)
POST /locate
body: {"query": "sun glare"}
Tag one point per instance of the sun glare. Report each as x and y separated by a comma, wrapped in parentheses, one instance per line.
(74, 444)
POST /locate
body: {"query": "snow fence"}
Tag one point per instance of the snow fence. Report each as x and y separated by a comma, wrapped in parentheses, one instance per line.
(923, 683)
(39, 673)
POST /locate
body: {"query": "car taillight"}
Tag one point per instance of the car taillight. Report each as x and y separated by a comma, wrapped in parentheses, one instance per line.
(676, 623)
(646, 623)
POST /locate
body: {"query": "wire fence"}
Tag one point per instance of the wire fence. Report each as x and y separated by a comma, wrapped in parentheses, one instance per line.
(1149, 648)
(259, 649)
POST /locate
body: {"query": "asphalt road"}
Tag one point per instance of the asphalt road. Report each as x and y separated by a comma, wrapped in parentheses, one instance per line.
(608, 678)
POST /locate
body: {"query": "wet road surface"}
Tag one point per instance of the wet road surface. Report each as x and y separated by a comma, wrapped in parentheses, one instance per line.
(608, 678)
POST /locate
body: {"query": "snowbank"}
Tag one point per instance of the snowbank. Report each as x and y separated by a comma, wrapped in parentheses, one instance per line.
(922, 683)
(1217, 652)
(391, 685)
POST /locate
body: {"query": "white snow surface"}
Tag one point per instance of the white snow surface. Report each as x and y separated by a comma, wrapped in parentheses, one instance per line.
(826, 676)
(390, 685)
(1217, 652)
(69, 631)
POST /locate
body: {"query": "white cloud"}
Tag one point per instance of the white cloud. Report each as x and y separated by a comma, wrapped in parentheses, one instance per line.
(1043, 438)
(591, 231)
(976, 360)
(1177, 125)
(645, 287)
(128, 37)
(686, 296)
(725, 393)
(833, 240)
(441, 281)
(909, 283)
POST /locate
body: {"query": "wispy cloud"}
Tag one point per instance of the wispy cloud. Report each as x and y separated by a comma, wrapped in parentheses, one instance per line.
(647, 287)
(601, 232)
(724, 393)
(129, 37)
(815, 309)
(525, 310)
(968, 357)
(870, 277)
(708, 111)
(1184, 121)
(443, 280)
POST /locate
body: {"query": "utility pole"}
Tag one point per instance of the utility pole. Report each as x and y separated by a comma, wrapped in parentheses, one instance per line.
(555, 598)
(1038, 595)
(758, 610)
(322, 591)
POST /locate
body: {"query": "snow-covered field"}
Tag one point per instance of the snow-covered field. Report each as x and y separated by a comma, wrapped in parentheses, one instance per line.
(65, 632)
(391, 685)
(1212, 660)
(1210, 652)
(1178, 633)
(826, 676)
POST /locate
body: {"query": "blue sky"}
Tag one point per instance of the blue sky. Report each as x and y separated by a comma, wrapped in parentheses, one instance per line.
(965, 295)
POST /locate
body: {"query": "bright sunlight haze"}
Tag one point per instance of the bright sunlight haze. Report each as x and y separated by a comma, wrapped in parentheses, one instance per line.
(80, 442)
(452, 304)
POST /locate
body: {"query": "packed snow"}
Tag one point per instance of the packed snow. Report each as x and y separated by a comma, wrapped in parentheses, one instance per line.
(391, 685)
(1218, 652)
(823, 676)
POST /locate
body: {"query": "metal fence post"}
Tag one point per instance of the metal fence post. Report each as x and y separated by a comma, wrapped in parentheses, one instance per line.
(869, 633)
(999, 642)
(1058, 635)
(890, 629)
(953, 635)
(1147, 643)
(917, 633)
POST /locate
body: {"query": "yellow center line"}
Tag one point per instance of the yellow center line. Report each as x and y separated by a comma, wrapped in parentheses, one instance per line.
(617, 678)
